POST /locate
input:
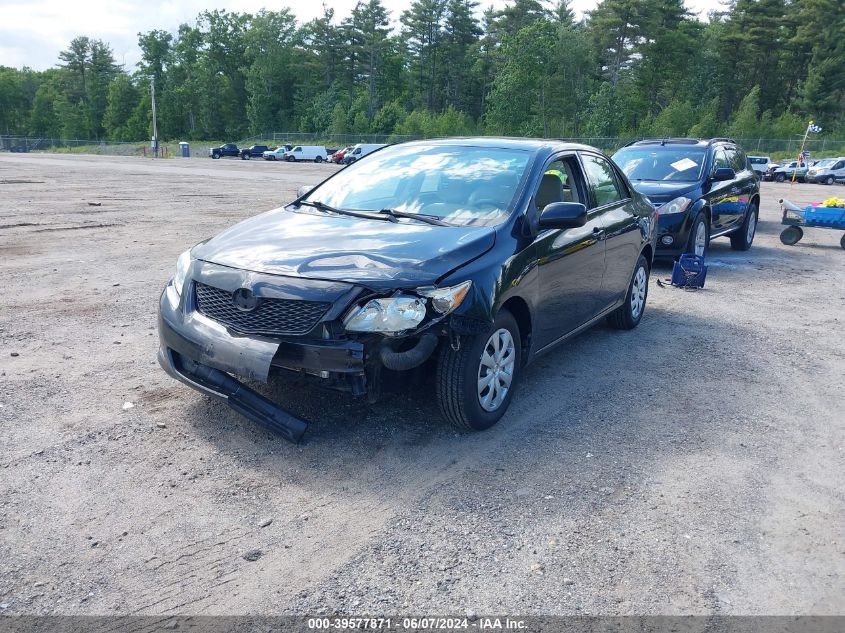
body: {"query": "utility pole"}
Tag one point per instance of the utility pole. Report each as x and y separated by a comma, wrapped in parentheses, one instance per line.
(155, 124)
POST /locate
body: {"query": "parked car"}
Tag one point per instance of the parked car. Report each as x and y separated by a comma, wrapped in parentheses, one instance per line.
(359, 151)
(253, 151)
(463, 257)
(227, 149)
(278, 153)
(788, 170)
(337, 157)
(702, 188)
(761, 166)
(827, 171)
(317, 153)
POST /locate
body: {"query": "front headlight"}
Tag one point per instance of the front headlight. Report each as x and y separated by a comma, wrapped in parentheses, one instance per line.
(678, 205)
(182, 266)
(391, 314)
(444, 300)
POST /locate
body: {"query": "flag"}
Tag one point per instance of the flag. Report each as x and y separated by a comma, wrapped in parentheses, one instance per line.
(813, 129)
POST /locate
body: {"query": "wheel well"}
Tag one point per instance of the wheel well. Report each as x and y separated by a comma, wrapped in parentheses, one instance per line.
(756, 200)
(520, 311)
(648, 253)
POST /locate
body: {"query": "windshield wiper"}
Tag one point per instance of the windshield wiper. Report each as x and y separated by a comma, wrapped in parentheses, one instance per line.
(322, 206)
(393, 213)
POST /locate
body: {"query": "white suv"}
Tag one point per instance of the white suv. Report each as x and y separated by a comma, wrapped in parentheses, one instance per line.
(827, 171)
(761, 165)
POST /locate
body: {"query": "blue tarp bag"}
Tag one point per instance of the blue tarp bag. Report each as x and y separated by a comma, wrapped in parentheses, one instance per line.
(689, 271)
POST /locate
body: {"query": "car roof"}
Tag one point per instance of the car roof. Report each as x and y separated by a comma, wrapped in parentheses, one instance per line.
(504, 142)
(693, 142)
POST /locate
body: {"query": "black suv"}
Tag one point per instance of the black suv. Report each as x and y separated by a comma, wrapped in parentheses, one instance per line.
(701, 188)
(254, 151)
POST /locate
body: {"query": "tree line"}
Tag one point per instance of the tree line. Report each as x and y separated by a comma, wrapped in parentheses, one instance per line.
(761, 68)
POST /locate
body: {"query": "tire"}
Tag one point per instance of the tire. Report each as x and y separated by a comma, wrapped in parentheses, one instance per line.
(780, 177)
(842, 241)
(629, 314)
(215, 156)
(743, 237)
(319, 159)
(695, 235)
(290, 159)
(829, 180)
(459, 375)
(350, 161)
(791, 235)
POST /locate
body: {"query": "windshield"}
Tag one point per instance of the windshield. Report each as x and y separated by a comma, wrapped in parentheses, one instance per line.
(682, 164)
(827, 162)
(757, 160)
(458, 185)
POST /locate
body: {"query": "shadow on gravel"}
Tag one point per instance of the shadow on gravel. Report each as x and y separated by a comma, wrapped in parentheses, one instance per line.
(602, 387)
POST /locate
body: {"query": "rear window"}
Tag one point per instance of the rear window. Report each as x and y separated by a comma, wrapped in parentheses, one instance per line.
(681, 164)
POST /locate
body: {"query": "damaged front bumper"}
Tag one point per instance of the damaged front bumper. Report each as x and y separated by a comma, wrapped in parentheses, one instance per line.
(207, 355)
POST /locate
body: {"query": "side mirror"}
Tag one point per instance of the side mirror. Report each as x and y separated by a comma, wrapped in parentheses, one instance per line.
(304, 189)
(724, 173)
(563, 215)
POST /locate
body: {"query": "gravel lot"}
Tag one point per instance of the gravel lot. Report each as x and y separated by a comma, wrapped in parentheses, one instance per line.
(694, 465)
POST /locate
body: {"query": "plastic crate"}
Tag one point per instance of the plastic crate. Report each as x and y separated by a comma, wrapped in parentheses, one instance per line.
(828, 216)
(689, 271)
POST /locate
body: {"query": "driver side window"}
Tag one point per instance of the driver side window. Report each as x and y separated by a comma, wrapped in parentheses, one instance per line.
(557, 184)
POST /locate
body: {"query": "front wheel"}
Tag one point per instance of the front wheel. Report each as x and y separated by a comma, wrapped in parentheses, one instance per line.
(829, 180)
(698, 236)
(628, 315)
(290, 159)
(842, 241)
(780, 177)
(792, 235)
(319, 159)
(215, 156)
(742, 238)
(475, 383)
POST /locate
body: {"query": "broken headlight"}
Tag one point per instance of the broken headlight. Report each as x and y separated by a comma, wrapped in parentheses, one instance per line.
(182, 266)
(444, 300)
(390, 314)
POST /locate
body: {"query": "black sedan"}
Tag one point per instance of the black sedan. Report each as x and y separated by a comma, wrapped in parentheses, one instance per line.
(469, 257)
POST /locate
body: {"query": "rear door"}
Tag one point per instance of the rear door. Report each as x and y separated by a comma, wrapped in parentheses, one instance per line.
(570, 261)
(612, 202)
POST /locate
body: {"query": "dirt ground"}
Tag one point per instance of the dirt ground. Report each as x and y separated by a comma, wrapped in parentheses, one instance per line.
(693, 465)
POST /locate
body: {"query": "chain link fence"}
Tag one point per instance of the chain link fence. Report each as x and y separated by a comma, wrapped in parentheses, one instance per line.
(765, 146)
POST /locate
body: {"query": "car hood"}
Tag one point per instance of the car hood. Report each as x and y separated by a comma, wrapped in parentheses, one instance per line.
(341, 248)
(660, 191)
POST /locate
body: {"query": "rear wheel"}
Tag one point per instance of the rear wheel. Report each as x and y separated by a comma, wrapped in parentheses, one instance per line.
(628, 315)
(842, 241)
(791, 235)
(475, 383)
(699, 236)
(742, 238)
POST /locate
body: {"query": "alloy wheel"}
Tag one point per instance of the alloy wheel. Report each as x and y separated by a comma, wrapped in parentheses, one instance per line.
(495, 371)
(752, 226)
(700, 243)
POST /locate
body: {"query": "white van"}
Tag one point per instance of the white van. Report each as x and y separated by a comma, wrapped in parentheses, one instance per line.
(317, 153)
(827, 171)
(360, 150)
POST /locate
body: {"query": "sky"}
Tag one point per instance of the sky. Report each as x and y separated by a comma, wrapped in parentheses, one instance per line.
(33, 32)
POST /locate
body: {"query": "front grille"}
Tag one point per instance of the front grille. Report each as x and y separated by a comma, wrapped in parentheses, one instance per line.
(270, 316)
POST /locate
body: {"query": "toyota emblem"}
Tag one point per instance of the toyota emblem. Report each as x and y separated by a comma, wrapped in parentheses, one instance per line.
(244, 300)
